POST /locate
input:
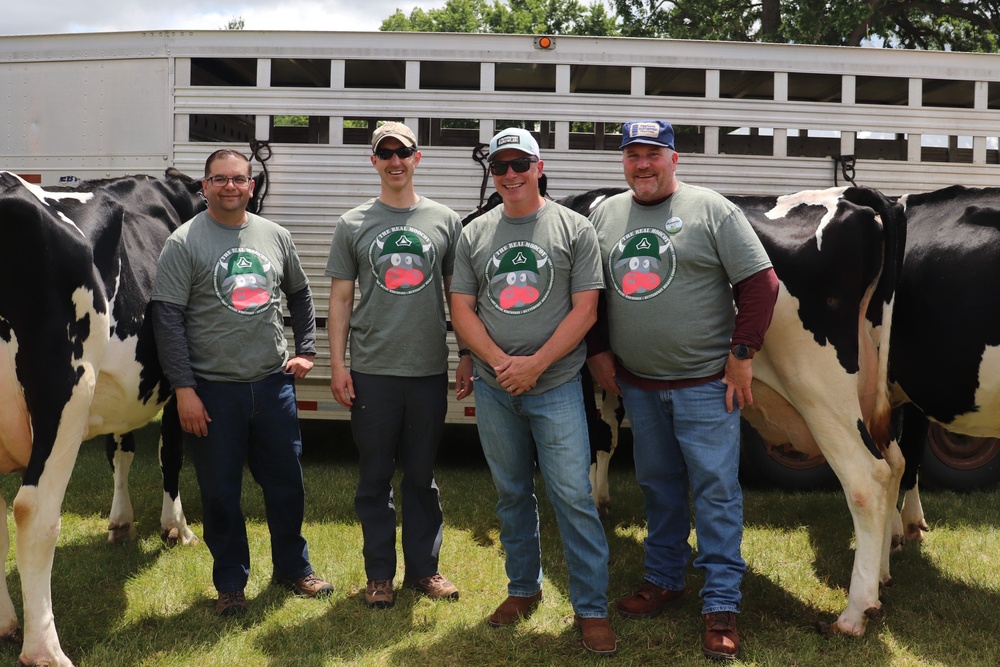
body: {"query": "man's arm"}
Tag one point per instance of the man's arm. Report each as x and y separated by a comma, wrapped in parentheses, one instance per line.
(172, 349)
(303, 316)
(338, 326)
(463, 374)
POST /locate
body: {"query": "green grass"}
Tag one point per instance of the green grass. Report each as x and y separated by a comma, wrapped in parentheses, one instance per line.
(144, 604)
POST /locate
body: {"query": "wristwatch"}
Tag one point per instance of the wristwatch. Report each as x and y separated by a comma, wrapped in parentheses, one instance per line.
(464, 351)
(742, 352)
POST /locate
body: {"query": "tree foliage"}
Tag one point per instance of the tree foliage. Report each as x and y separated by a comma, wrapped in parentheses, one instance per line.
(958, 25)
(235, 23)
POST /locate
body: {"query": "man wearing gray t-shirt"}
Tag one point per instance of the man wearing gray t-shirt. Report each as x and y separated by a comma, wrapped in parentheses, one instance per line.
(524, 294)
(676, 257)
(399, 250)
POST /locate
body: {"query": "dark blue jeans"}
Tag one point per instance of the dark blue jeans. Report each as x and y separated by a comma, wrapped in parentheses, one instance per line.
(254, 423)
(399, 419)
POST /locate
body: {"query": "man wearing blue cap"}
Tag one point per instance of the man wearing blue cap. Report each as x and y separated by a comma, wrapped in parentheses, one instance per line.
(523, 295)
(690, 294)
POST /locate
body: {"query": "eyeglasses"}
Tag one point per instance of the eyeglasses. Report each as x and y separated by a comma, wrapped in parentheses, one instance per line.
(221, 181)
(401, 153)
(521, 165)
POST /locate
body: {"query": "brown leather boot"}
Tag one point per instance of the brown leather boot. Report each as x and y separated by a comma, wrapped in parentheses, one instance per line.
(650, 600)
(722, 641)
(514, 609)
(598, 637)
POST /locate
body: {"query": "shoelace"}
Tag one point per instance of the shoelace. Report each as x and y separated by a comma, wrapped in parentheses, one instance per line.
(720, 623)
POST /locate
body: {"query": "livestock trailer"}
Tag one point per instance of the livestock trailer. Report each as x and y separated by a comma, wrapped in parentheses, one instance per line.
(750, 118)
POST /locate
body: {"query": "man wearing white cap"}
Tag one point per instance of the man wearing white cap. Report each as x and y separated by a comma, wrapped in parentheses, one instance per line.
(679, 261)
(399, 248)
(524, 294)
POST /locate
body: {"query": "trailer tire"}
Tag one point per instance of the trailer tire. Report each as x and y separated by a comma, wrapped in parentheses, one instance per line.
(959, 462)
(782, 467)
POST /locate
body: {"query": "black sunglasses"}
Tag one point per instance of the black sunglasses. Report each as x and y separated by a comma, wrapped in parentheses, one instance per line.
(521, 165)
(401, 153)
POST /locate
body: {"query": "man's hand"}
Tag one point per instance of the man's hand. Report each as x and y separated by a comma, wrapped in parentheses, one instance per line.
(190, 409)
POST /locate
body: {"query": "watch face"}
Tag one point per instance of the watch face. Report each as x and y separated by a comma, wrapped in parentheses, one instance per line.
(741, 352)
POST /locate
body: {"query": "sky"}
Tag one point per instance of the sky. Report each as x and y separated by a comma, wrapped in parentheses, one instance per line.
(23, 17)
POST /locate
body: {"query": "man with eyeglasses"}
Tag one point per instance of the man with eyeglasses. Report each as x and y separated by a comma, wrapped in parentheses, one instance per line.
(220, 338)
(690, 294)
(399, 249)
(524, 294)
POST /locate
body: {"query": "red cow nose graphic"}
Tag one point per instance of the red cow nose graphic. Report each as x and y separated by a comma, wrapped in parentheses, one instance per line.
(513, 296)
(400, 277)
(249, 297)
(635, 281)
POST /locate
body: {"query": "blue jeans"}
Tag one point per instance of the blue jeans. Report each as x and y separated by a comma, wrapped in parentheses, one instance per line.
(684, 438)
(256, 423)
(554, 422)
(399, 418)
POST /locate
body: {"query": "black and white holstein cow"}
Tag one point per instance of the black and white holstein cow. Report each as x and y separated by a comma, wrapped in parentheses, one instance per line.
(77, 357)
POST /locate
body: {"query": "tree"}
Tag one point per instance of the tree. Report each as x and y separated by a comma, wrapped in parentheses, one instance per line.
(957, 25)
(235, 23)
(525, 17)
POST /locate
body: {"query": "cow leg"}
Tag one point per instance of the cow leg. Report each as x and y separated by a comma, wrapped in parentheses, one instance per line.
(913, 435)
(10, 631)
(599, 468)
(173, 524)
(913, 523)
(121, 523)
(37, 509)
(602, 438)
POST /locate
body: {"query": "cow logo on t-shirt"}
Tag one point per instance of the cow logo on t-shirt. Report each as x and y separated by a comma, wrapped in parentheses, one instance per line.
(520, 277)
(402, 259)
(642, 264)
(244, 280)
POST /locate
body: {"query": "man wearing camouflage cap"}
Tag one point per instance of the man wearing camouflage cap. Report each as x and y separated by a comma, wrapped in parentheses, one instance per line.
(524, 294)
(399, 250)
(676, 257)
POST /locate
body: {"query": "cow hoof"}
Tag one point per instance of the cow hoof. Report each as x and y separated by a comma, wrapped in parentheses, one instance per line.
(915, 531)
(896, 545)
(826, 629)
(13, 637)
(173, 536)
(888, 583)
(876, 613)
(121, 533)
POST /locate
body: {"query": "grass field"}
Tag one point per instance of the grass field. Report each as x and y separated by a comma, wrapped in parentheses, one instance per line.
(144, 604)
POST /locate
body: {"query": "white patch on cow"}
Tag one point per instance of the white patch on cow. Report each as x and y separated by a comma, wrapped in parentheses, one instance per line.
(986, 421)
(827, 198)
(116, 407)
(597, 201)
(42, 195)
(15, 422)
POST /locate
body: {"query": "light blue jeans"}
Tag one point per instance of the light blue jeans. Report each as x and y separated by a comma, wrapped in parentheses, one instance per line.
(684, 439)
(510, 428)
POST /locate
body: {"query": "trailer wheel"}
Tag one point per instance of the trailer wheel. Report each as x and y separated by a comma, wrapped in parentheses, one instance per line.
(782, 467)
(959, 462)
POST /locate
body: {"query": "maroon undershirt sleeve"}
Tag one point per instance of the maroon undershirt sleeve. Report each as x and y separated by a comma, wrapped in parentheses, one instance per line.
(755, 298)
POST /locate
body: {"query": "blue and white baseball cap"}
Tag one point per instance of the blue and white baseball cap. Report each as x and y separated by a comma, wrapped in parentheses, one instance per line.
(655, 132)
(516, 138)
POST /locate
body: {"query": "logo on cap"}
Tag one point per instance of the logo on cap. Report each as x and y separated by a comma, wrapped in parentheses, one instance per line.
(509, 139)
(651, 130)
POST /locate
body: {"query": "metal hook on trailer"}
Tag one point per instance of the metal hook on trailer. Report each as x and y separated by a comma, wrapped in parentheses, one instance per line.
(480, 153)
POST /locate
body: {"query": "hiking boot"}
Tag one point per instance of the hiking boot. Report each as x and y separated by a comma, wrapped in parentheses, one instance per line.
(514, 609)
(598, 637)
(436, 587)
(310, 586)
(650, 600)
(722, 641)
(378, 593)
(233, 603)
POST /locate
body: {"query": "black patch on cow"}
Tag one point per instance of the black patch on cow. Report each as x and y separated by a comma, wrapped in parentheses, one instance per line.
(829, 281)
(866, 437)
(947, 303)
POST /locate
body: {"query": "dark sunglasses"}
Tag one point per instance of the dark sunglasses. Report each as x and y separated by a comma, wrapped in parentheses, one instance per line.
(521, 165)
(401, 153)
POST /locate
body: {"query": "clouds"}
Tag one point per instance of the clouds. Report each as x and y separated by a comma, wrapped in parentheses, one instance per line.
(61, 16)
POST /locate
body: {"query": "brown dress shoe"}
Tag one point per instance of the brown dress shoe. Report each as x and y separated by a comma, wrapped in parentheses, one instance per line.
(722, 641)
(598, 637)
(513, 609)
(650, 600)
